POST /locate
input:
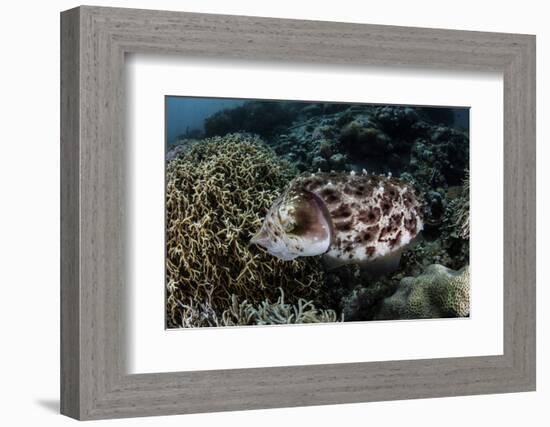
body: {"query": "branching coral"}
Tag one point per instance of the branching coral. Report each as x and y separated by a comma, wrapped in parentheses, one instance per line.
(438, 292)
(196, 314)
(244, 313)
(217, 194)
(277, 313)
(455, 226)
(458, 211)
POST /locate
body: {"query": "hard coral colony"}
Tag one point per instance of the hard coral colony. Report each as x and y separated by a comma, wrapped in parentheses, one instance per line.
(281, 224)
(216, 194)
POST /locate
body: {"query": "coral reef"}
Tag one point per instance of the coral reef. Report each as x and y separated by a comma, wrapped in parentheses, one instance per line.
(277, 313)
(194, 314)
(397, 122)
(446, 235)
(438, 292)
(362, 138)
(455, 227)
(439, 157)
(382, 139)
(426, 252)
(216, 196)
(243, 313)
(219, 189)
(363, 301)
(457, 215)
(181, 146)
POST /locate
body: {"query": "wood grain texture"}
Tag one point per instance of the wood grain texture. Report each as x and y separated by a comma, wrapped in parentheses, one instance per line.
(94, 267)
(70, 297)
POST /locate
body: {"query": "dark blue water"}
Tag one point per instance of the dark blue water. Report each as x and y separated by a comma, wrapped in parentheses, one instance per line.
(461, 118)
(184, 115)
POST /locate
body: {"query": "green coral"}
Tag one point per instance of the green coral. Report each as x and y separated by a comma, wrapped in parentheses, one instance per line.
(438, 292)
(217, 194)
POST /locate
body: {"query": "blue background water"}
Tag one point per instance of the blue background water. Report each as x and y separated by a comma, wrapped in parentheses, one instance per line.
(186, 114)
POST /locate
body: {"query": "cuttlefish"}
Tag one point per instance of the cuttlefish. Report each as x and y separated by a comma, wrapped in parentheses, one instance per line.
(346, 217)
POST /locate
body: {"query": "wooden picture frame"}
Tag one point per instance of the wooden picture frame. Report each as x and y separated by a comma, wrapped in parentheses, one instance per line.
(94, 41)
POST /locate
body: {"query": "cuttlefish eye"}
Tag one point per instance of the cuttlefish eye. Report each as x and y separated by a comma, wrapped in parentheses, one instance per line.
(285, 215)
(287, 225)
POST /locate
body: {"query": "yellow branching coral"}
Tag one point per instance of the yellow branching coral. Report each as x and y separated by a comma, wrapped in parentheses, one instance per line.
(216, 196)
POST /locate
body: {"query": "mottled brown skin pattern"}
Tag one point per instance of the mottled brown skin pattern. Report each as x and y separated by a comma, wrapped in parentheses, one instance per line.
(372, 216)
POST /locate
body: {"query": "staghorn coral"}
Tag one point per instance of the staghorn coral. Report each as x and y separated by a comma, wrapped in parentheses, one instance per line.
(438, 292)
(217, 192)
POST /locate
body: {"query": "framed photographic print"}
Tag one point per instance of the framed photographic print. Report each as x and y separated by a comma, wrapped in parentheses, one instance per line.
(349, 208)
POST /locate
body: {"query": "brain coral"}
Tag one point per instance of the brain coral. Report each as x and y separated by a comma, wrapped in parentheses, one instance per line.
(217, 193)
(438, 292)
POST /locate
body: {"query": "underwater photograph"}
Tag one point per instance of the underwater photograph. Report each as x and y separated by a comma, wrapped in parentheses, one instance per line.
(289, 212)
